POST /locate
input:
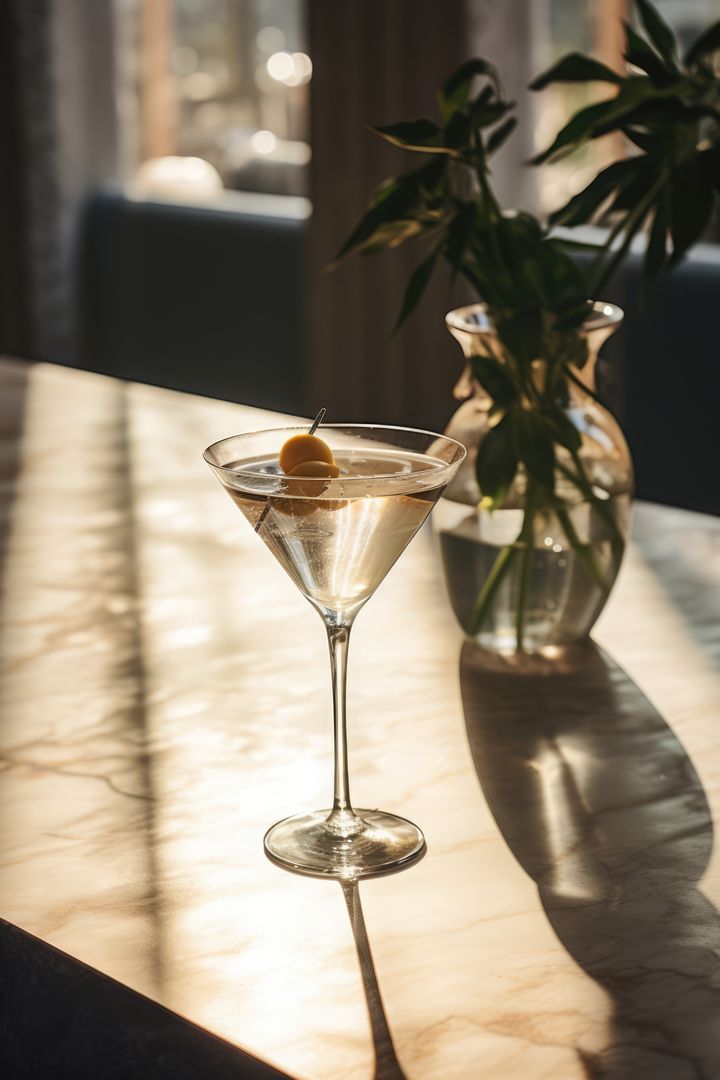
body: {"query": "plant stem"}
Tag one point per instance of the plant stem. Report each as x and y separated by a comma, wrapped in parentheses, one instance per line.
(501, 566)
(599, 276)
(527, 546)
(602, 506)
(581, 385)
(583, 551)
(480, 170)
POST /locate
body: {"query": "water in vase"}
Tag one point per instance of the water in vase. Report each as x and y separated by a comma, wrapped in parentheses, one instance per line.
(563, 598)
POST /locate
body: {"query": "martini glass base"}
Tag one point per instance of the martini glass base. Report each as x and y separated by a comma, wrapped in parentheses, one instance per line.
(306, 844)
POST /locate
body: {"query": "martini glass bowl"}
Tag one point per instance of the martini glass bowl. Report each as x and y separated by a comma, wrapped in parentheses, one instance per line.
(337, 538)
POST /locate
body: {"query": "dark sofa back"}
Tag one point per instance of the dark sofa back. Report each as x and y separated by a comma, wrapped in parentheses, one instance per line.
(665, 380)
(204, 300)
(213, 302)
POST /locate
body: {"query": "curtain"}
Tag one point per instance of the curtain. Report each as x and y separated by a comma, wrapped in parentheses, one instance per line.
(375, 62)
(61, 113)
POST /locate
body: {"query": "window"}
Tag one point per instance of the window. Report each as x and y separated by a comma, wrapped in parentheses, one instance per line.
(224, 83)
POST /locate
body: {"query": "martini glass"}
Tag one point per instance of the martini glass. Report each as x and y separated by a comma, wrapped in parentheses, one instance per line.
(337, 539)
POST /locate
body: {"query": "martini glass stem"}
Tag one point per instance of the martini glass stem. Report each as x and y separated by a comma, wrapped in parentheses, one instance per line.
(342, 819)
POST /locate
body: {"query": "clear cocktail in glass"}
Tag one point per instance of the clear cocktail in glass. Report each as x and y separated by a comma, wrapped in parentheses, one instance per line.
(337, 538)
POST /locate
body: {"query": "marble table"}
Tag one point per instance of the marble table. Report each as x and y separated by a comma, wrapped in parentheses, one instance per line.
(165, 697)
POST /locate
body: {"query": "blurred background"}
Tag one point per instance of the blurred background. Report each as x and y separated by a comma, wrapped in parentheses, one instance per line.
(175, 176)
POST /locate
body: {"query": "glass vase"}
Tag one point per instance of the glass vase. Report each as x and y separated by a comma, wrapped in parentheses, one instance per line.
(517, 582)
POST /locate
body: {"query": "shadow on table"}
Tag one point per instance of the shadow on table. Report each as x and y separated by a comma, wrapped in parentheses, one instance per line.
(602, 807)
(62, 1020)
(387, 1066)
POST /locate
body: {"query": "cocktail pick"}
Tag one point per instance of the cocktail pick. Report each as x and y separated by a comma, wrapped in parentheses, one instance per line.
(317, 422)
(311, 431)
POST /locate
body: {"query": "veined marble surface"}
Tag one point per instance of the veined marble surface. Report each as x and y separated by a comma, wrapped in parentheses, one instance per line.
(165, 697)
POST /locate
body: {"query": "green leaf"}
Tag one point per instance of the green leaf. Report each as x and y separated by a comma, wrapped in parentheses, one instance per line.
(392, 235)
(430, 177)
(500, 134)
(565, 431)
(497, 462)
(419, 135)
(494, 379)
(521, 335)
(634, 186)
(535, 443)
(516, 239)
(581, 207)
(579, 127)
(645, 140)
(457, 132)
(575, 68)
(659, 112)
(557, 279)
(691, 205)
(489, 113)
(658, 31)
(394, 202)
(708, 42)
(415, 288)
(486, 95)
(456, 89)
(459, 234)
(656, 251)
(524, 229)
(639, 53)
(389, 187)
